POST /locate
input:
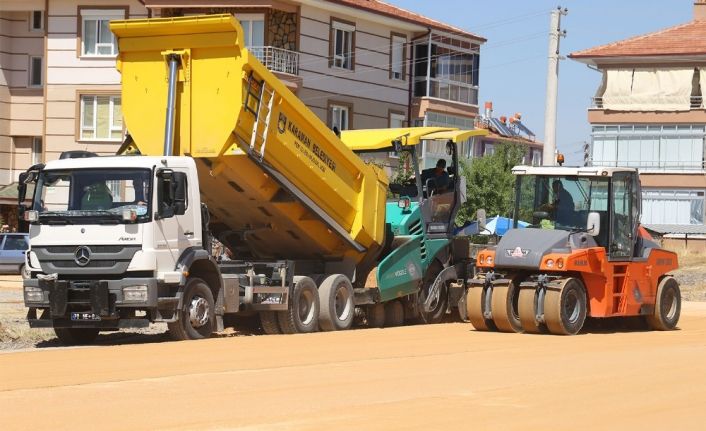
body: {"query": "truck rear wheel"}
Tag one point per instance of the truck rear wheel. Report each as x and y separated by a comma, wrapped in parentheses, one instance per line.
(269, 322)
(667, 306)
(394, 314)
(76, 336)
(196, 318)
(565, 307)
(302, 313)
(337, 308)
(504, 307)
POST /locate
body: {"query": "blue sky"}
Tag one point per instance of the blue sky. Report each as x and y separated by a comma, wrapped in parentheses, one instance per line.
(514, 60)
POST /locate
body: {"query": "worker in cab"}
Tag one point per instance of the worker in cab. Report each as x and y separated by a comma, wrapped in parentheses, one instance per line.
(563, 205)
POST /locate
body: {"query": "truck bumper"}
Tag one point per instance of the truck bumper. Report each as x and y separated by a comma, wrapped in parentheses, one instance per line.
(93, 303)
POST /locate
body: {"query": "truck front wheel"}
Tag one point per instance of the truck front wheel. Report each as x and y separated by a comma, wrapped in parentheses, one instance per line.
(196, 317)
(76, 336)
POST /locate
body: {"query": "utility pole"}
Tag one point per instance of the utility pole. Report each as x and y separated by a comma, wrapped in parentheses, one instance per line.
(555, 33)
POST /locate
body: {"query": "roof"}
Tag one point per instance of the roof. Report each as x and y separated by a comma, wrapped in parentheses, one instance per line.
(145, 162)
(373, 6)
(684, 39)
(676, 229)
(569, 170)
(381, 139)
(396, 12)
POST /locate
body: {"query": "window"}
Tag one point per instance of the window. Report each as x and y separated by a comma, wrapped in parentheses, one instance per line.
(96, 38)
(397, 56)
(397, 120)
(14, 243)
(36, 21)
(683, 207)
(488, 149)
(36, 150)
(342, 44)
(340, 117)
(35, 72)
(101, 118)
(253, 28)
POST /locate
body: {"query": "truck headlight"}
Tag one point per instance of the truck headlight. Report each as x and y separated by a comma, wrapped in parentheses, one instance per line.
(135, 294)
(34, 294)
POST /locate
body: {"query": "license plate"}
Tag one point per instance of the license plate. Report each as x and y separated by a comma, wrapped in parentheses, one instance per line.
(85, 316)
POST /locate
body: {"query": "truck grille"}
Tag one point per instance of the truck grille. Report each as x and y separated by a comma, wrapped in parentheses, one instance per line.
(103, 259)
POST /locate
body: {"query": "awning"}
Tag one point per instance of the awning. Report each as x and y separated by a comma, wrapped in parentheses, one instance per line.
(381, 139)
(8, 194)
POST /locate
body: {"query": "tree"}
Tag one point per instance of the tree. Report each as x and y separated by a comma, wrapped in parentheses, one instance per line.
(489, 182)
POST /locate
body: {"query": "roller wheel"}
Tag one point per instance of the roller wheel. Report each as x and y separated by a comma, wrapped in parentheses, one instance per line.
(375, 315)
(565, 307)
(475, 298)
(270, 325)
(394, 314)
(197, 317)
(503, 307)
(302, 314)
(667, 306)
(76, 336)
(527, 312)
(337, 308)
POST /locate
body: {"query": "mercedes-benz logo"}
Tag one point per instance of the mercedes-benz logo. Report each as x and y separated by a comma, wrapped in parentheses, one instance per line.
(82, 255)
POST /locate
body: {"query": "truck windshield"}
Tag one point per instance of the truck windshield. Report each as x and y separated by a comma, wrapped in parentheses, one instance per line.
(560, 202)
(92, 195)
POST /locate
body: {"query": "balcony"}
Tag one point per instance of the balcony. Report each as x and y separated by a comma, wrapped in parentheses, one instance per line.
(451, 91)
(277, 59)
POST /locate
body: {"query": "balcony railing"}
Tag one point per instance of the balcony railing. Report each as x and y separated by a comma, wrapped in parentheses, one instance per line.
(277, 59)
(696, 102)
(655, 165)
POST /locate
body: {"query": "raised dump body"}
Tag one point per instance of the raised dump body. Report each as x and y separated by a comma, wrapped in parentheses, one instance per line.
(277, 181)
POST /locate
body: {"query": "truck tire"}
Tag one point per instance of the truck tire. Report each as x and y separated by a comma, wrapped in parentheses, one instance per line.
(196, 319)
(667, 306)
(269, 322)
(337, 307)
(25, 272)
(394, 314)
(302, 314)
(76, 336)
(438, 307)
(375, 315)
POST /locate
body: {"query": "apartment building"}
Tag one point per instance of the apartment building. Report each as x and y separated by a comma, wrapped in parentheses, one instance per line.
(649, 113)
(355, 63)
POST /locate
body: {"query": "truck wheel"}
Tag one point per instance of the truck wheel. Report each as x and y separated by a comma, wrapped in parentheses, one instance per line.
(667, 306)
(439, 304)
(269, 322)
(504, 305)
(76, 336)
(337, 308)
(25, 272)
(196, 318)
(565, 308)
(375, 314)
(302, 312)
(394, 314)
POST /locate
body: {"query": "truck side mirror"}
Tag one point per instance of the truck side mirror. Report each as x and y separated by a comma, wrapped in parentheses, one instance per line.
(593, 224)
(480, 216)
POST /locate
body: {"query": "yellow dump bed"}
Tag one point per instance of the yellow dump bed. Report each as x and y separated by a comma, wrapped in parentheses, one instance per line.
(278, 182)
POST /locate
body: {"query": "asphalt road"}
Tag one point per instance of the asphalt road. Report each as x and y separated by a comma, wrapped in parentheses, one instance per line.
(422, 377)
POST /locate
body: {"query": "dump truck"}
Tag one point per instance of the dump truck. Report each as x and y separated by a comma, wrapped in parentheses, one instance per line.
(583, 255)
(218, 147)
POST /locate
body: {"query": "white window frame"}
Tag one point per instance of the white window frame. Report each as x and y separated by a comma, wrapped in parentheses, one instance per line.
(31, 69)
(337, 112)
(36, 150)
(99, 15)
(41, 20)
(397, 68)
(111, 126)
(251, 17)
(339, 59)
